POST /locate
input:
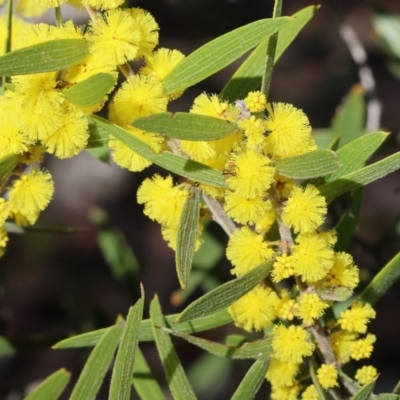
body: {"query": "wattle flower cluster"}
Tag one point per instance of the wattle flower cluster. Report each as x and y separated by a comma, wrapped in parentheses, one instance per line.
(303, 259)
(37, 118)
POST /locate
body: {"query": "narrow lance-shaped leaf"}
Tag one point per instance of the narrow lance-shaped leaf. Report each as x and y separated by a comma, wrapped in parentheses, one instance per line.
(90, 91)
(8, 163)
(174, 372)
(53, 55)
(259, 349)
(365, 392)
(249, 74)
(52, 387)
(186, 126)
(361, 177)
(97, 364)
(223, 296)
(187, 235)
(220, 52)
(201, 324)
(121, 379)
(146, 386)
(381, 283)
(252, 381)
(171, 162)
(310, 165)
(318, 388)
(98, 136)
(349, 121)
(354, 155)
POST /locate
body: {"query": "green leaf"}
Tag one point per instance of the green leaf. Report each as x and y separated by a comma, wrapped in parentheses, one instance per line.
(90, 339)
(347, 224)
(53, 55)
(52, 387)
(252, 382)
(145, 384)
(179, 165)
(388, 28)
(365, 393)
(8, 163)
(6, 348)
(335, 293)
(355, 154)
(90, 91)
(223, 296)
(349, 121)
(187, 235)
(310, 165)
(98, 137)
(186, 126)
(174, 372)
(382, 281)
(248, 76)
(361, 177)
(93, 372)
(220, 52)
(121, 379)
(388, 396)
(259, 349)
(100, 153)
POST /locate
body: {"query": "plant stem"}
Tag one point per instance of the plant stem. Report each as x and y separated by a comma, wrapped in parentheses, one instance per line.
(59, 20)
(7, 45)
(270, 58)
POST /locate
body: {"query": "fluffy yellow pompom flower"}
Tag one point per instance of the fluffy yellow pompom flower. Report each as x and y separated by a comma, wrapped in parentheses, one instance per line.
(343, 272)
(102, 4)
(283, 267)
(214, 107)
(327, 376)
(243, 210)
(71, 137)
(312, 257)
(254, 129)
(310, 393)
(114, 37)
(4, 211)
(285, 392)
(363, 348)
(139, 96)
(310, 307)
(148, 30)
(366, 374)
(161, 62)
(305, 209)
(163, 201)
(246, 250)
(290, 344)
(282, 374)
(256, 310)
(342, 343)
(31, 193)
(255, 101)
(250, 174)
(290, 132)
(357, 318)
(287, 307)
(125, 157)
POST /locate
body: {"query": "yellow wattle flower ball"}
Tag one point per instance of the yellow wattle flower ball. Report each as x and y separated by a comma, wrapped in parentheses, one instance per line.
(255, 101)
(366, 374)
(281, 373)
(357, 318)
(363, 348)
(327, 376)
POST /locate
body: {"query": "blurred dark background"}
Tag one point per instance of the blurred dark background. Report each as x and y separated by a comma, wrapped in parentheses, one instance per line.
(54, 285)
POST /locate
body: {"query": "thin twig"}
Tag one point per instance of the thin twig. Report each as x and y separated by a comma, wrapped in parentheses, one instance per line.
(359, 55)
(219, 215)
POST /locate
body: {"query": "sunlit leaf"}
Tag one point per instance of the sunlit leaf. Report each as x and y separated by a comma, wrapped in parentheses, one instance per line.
(174, 372)
(365, 392)
(171, 162)
(52, 387)
(53, 55)
(186, 126)
(90, 91)
(220, 52)
(223, 296)
(8, 163)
